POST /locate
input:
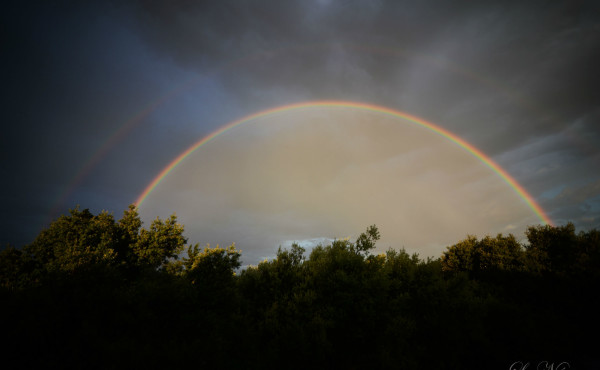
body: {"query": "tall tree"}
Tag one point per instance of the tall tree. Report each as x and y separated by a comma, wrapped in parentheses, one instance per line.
(162, 242)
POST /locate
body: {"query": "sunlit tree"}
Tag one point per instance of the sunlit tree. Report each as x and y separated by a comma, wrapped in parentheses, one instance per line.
(211, 266)
(489, 253)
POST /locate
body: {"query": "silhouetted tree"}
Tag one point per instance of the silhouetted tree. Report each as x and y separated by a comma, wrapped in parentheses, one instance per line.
(91, 291)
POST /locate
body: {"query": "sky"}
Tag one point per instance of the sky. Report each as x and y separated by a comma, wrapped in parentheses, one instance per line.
(99, 98)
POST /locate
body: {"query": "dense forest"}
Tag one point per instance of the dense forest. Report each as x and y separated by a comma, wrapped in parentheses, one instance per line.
(95, 292)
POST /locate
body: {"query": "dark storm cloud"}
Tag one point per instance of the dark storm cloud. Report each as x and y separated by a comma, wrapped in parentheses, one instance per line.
(71, 76)
(541, 55)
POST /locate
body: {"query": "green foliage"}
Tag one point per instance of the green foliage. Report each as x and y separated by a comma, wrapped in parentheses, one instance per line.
(366, 241)
(129, 227)
(163, 241)
(83, 243)
(560, 250)
(92, 290)
(212, 265)
(471, 254)
(75, 243)
(554, 250)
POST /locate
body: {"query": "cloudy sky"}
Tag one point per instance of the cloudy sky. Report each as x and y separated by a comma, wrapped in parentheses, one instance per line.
(99, 98)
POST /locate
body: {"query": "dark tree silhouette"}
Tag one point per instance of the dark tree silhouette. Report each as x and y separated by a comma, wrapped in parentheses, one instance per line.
(98, 293)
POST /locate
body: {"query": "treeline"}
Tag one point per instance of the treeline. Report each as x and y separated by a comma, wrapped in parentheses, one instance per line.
(94, 292)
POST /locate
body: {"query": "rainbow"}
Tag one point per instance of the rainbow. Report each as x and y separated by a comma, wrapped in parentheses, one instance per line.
(363, 106)
(138, 118)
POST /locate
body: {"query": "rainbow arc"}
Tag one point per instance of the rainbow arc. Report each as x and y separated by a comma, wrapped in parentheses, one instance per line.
(529, 200)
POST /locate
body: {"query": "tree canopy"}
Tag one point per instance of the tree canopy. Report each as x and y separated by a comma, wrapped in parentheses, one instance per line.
(112, 294)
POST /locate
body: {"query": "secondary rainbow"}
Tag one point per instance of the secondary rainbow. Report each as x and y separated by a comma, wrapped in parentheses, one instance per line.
(363, 106)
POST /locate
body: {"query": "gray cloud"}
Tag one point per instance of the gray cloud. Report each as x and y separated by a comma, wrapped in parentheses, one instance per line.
(580, 194)
(521, 57)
